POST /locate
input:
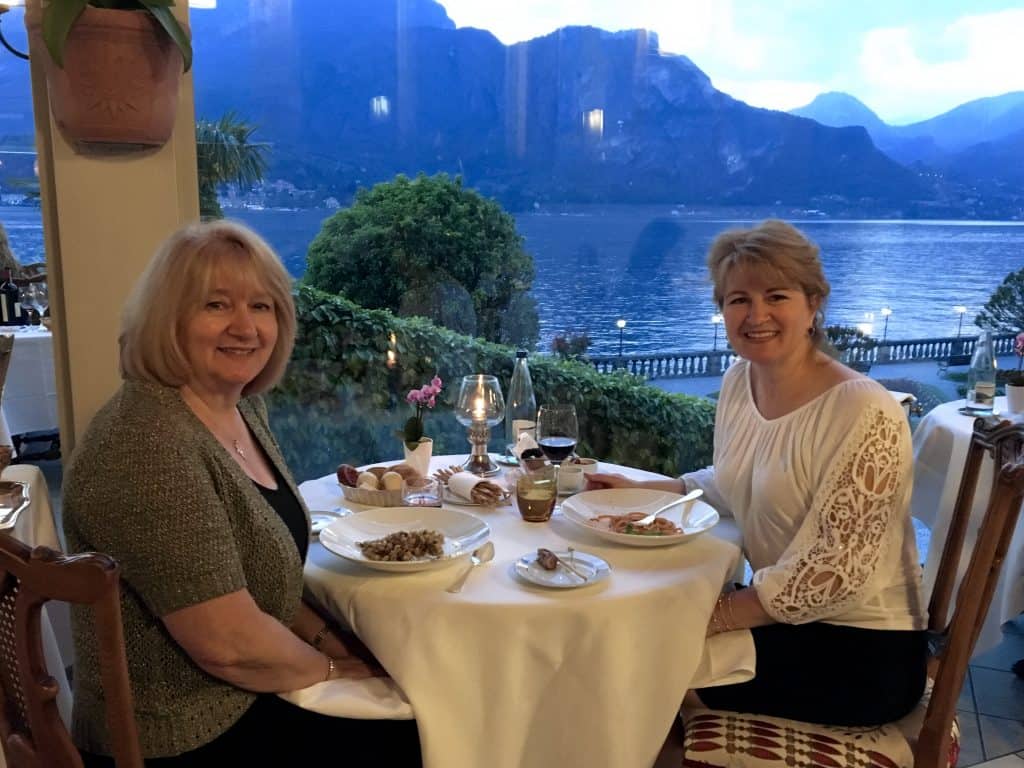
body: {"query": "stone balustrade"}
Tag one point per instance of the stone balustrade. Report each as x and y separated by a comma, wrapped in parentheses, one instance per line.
(714, 362)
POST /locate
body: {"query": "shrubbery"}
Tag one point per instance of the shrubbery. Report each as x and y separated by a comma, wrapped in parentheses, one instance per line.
(341, 401)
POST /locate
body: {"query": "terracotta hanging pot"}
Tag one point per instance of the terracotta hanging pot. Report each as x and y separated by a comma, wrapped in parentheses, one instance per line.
(119, 83)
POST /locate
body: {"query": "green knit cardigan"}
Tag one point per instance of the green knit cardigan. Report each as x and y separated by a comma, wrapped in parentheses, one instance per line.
(150, 486)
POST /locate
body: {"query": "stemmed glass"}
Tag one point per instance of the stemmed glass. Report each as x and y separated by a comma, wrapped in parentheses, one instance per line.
(557, 433)
(34, 296)
(480, 406)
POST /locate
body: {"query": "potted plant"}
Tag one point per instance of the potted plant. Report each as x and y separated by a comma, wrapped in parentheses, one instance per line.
(112, 67)
(418, 448)
(1015, 379)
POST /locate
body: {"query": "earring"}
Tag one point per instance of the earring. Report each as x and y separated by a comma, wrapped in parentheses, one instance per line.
(810, 331)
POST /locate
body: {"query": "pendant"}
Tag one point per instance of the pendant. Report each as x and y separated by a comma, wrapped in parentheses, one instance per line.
(238, 449)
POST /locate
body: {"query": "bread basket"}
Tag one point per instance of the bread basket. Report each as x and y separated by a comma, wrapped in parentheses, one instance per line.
(372, 498)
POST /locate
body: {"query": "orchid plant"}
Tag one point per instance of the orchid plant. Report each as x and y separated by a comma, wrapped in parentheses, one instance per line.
(422, 398)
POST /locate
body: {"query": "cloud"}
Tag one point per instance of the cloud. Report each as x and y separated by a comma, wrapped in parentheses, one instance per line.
(977, 56)
(771, 94)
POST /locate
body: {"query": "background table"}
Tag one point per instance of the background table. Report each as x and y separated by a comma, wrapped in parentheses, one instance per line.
(510, 674)
(940, 452)
(35, 526)
(30, 393)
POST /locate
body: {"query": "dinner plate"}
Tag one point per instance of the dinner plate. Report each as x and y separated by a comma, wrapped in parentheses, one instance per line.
(579, 509)
(591, 566)
(462, 534)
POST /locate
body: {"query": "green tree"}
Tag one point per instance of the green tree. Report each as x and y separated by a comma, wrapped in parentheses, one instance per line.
(430, 247)
(1004, 311)
(225, 154)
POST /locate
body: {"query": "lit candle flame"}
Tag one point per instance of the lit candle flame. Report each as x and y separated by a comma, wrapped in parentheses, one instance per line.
(479, 412)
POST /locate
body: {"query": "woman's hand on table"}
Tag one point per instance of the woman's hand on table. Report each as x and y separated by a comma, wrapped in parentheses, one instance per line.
(355, 668)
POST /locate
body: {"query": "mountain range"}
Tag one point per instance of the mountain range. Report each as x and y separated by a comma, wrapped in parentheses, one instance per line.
(350, 92)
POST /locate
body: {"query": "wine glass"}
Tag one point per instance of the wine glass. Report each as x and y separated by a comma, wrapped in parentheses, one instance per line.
(34, 297)
(480, 406)
(557, 431)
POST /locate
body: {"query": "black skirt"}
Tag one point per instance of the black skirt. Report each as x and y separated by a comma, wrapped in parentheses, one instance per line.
(273, 732)
(829, 674)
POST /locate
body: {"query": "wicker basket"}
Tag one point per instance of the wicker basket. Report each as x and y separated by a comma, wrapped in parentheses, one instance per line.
(372, 498)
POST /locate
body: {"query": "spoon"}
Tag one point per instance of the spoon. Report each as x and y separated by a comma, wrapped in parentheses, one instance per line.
(694, 494)
(479, 556)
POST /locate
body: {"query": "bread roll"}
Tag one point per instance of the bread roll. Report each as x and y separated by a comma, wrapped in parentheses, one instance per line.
(378, 472)
(391, 481)
(348, 475)
(367, 480)
(405, 471)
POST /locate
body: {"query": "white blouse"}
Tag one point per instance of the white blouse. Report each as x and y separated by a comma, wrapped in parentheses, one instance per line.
(822, 498)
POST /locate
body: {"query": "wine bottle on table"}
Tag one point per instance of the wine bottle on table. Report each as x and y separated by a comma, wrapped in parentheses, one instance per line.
(520, 407)
(981, 377)
(10, 301)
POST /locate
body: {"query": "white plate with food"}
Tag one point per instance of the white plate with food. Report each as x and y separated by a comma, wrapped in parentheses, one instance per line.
(428, 537)
(590, 569)
(610, 512)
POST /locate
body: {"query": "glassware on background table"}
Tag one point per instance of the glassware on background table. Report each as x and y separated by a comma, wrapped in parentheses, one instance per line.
(480, 406)
(521, 407)
(421, 492)
(35, 298)
(536, 493)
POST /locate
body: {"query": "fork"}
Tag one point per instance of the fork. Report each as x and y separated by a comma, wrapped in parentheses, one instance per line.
(694, 494)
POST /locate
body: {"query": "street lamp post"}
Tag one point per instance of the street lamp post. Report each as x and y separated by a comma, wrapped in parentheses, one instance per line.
(960, 309)
(885, 328)
(716, 319)
(622, 326)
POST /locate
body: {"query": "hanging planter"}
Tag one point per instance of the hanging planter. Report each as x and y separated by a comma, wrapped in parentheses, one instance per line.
(112, 73)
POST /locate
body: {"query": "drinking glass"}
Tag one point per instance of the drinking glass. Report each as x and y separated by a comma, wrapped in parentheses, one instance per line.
(536, 493)
(421, 492)
(33, 296)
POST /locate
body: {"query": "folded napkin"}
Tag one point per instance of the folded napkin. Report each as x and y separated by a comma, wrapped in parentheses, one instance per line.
(524, 442)
(377, 698)
(728, 658)
(462, 483)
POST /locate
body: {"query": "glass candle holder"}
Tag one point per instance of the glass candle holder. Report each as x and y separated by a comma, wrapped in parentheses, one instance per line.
(479, 407)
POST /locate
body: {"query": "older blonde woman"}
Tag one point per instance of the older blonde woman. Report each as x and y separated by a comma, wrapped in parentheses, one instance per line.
(814, 462)
(180, 479)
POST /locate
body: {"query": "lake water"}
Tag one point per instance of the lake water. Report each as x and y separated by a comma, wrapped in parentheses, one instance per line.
(596, 264)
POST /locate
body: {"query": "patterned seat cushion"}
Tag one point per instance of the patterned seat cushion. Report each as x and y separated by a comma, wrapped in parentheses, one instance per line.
(732, 739)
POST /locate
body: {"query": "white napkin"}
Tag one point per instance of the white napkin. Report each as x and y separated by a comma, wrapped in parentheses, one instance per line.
(524, 443)
(728, 658)
(377, 698)
(462, 484)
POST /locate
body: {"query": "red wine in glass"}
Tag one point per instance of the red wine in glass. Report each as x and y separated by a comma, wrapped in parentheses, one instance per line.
(557, 447)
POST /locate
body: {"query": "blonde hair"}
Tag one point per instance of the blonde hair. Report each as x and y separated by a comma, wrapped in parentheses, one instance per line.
(774, 246)
(172, 287)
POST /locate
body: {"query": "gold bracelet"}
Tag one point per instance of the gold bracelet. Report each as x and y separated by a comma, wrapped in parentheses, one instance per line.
(331, 665)
(728, 607)
(318, 638)
(720, 606)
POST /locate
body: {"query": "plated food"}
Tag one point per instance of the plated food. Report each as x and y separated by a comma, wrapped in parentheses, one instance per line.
(608, 513)
(404, 546)
(460, 533)
(586, 569)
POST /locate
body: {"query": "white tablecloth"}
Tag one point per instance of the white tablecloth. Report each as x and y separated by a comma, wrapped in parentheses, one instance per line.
(30, 393)
(940, 452)
(35, 526)
(510, 674)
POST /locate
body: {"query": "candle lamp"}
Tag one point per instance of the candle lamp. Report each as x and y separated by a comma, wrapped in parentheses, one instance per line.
(480, 406)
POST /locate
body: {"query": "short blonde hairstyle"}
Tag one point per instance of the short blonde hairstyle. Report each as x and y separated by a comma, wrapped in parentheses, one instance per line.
(772, 246)
(172, 288)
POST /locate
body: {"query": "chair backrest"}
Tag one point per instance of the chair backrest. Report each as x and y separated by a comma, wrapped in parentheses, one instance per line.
(31, 730)
(1003, 440)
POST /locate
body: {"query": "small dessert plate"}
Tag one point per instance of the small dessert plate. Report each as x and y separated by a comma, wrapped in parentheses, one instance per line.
(593, 567)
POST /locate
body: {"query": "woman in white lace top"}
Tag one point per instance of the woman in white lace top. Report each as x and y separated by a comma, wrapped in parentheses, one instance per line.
(813, 461)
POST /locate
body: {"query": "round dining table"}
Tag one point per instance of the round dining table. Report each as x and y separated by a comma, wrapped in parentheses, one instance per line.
(940, 453)
(508, 673)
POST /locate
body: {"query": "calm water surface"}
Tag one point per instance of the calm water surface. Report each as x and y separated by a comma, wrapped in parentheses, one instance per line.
(646, 264)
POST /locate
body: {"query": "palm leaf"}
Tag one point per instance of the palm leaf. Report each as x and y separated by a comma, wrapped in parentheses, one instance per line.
(162, 13)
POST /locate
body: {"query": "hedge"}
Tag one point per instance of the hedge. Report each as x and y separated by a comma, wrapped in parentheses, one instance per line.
(343, 396)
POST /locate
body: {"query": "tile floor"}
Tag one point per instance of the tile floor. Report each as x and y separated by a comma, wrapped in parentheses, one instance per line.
(991, 706)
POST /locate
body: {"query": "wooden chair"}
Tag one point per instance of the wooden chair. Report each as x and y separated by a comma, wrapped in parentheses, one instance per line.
(31, 730)
(929, 736)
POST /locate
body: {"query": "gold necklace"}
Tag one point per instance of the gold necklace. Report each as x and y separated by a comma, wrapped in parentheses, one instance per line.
(238, 449)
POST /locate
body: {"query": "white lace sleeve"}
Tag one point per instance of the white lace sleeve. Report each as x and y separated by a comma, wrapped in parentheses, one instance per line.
(829, 564)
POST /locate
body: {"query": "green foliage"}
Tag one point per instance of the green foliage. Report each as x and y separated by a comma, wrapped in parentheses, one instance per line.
(429, 247)
(1004, 311)
(341, 402)
(59, 17)
(224, 153)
